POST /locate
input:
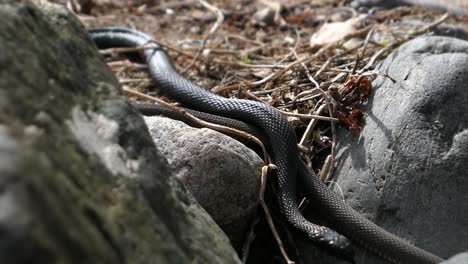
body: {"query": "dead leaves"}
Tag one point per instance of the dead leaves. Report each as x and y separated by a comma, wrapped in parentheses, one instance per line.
(347, 98)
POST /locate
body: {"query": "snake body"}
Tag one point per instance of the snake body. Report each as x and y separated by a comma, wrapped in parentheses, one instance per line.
(281, 144)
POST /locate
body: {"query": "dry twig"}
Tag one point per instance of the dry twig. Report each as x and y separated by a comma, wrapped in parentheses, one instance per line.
(268, 214)
(201, 122)
(214, 28)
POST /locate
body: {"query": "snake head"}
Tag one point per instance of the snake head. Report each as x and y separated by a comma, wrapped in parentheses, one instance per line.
(337, 243)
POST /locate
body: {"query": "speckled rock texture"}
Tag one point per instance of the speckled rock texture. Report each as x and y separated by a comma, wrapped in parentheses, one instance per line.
(222, 173)
(80, 178)
(461, 258)
(457, 7)
(408, 169)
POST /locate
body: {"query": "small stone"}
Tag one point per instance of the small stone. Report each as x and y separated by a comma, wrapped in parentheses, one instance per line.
(264, 16)
(170, 12)
(195, 29)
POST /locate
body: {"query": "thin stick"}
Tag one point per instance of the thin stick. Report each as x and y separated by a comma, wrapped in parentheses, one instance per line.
(310, 116)
(135, 80)
(200, 121)
(405, 39)
(311, 126)
(214, 28)
(328, 104)
(320, 52)
(359, 57)
(325, 171)
(124, 50)
(268, 214)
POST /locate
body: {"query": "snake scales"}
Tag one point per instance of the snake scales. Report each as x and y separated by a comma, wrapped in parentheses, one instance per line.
(284, 154)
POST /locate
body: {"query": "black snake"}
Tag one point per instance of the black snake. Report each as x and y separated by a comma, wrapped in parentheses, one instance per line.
(283, 152)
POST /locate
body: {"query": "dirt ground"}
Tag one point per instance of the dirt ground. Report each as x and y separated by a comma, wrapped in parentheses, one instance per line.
(306, 58)
(313, 60)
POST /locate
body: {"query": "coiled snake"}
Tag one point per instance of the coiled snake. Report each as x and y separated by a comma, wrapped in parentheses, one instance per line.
(284, 154)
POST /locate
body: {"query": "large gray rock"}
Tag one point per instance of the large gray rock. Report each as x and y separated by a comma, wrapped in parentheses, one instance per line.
(80, 178)
(408, 169)
(461, 258)
(457, 7)
(222, 173)
(410, 24)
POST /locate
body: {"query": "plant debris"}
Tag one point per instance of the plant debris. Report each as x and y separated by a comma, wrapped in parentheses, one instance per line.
(261, 50)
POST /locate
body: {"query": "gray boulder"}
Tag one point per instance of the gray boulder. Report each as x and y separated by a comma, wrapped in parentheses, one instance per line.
(461, 258)
(222, 173)
(409, 24)
(80, 178)
(457, 7)
(408, 169)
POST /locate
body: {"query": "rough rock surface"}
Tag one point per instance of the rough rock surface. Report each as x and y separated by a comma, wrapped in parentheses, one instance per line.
(80, 178)
(221, 173)
(454, 30)
(407, 170)
(461, 258)
(457, 7)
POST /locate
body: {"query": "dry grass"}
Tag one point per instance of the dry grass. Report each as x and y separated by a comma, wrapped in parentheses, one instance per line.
(221, 46)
